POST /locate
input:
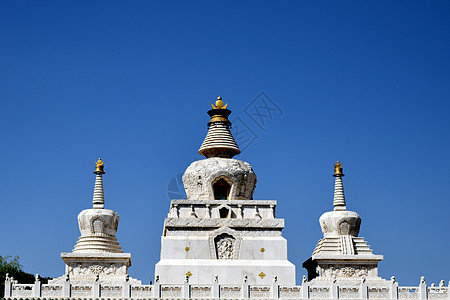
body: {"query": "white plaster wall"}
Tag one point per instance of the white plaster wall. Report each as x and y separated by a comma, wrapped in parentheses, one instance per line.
(174, 247)
(230, 272)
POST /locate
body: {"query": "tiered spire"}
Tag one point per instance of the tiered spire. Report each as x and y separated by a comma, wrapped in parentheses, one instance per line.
(339, 197)
(98, 200)
(219, 141)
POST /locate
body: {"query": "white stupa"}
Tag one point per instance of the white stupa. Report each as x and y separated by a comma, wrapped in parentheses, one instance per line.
(219, 233)
(97, 255)
(341, 254)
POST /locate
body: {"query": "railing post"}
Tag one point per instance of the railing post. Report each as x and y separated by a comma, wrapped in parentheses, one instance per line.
(393, 288)
(96, 288)
(245, 293)
(8, 286)
(66, 287)
(334, 290)
(448, 290)
(305, 288)
(186, 288)
(216, 288)
(275, 288)
(37, 286)
(127, 287)
(156, 288)
(363, 289)
(423, 288)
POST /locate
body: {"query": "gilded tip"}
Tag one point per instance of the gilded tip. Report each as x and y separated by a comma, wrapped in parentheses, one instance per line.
(99, 165)
(338, 169)
(219, 104)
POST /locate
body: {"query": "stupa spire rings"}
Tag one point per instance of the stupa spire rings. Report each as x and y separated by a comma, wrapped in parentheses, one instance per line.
(219, 141)
(339, 196)
(98, 200)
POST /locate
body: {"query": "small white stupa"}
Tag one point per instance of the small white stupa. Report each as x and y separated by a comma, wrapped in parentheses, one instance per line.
(219, 234)
(341, 254)
(97, 255)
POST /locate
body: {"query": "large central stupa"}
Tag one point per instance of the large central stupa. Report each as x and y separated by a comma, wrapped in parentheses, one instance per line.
(219, 233)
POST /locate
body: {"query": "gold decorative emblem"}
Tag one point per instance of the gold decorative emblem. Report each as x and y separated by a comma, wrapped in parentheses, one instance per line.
(187, 249)
(219, 104)
(99, 166)
(188, 274)
(338, 168)
(262, 250)
(262, 275)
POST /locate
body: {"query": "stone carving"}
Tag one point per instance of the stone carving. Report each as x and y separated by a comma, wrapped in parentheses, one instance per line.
(225, 243)
(225, 246)
(355, 271)
(96, 269)
(220, 222)
(89, 269)
(348, 271)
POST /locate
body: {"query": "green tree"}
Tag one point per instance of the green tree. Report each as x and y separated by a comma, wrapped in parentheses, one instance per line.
(12, 267)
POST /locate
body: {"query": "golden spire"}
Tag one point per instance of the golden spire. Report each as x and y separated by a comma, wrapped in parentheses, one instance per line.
(219, 104)
(99, 167)
(338, 169)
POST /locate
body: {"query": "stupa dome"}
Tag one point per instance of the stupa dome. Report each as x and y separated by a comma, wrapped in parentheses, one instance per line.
(98, 229)
(335, 223)
(219, 178)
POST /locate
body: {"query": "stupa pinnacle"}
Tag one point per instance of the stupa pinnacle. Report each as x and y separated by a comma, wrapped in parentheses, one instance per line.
(219, 141)
(339, 197)
(98, 200)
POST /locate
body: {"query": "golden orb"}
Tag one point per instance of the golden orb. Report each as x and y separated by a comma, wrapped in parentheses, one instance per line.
(219, 102)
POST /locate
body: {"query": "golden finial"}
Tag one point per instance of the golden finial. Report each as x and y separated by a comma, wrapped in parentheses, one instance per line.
(219, 104)
(338, 169)
(99, 166)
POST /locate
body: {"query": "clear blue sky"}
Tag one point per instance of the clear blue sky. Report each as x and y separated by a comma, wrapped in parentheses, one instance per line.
(366, 83)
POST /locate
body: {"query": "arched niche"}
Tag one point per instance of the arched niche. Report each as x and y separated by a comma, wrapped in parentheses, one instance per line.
(344, 228)
(221, 188)
(97, 225)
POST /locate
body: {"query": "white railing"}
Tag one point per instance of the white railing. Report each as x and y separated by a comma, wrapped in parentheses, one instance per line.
(308, 290)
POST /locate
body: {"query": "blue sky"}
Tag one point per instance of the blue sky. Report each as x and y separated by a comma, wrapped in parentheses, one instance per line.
(366, 83)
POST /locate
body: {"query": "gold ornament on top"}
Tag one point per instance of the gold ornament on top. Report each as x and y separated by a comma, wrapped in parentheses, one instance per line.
(338, 169)
(188, 274)
(262, 275)
(99, 166)
(219, 104)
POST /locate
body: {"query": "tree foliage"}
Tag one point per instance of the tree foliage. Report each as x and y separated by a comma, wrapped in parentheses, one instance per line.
(12, 267)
